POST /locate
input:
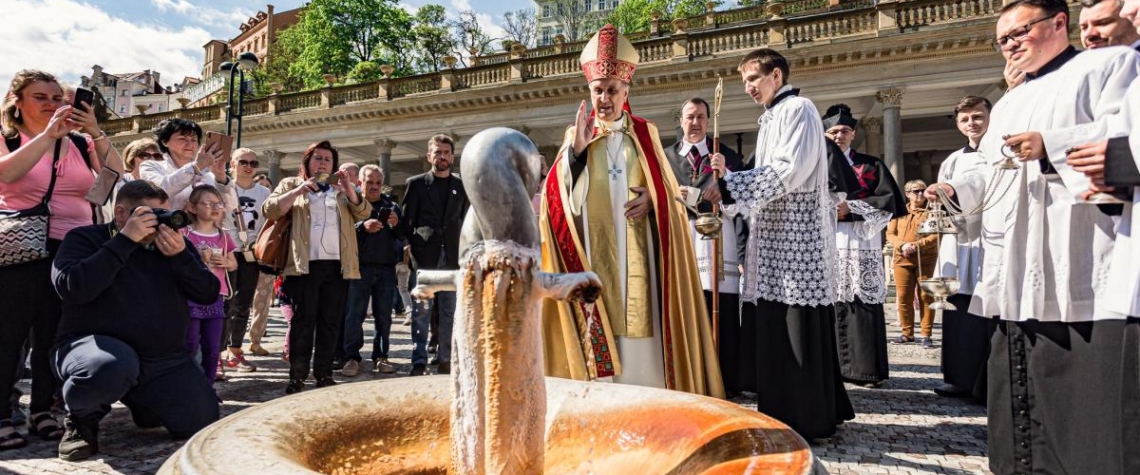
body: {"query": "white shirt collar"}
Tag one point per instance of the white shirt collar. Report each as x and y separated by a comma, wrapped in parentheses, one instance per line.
(615, 125)
(702, 148)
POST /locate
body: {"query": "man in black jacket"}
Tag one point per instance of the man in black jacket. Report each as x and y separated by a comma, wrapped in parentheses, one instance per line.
(689, 158)
(125, 288)
(378, 239)
(435, 204)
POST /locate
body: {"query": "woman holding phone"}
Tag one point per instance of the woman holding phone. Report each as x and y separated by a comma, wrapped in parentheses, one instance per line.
(186, 162)
(35, 119)
(322, 257)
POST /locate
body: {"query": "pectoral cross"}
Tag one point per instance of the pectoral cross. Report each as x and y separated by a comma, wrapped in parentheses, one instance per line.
(614, 172)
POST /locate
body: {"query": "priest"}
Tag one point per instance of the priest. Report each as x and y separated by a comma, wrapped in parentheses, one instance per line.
(863, 212)
(790, 255)
(690, 158)
(1062, 378)
(610, 207)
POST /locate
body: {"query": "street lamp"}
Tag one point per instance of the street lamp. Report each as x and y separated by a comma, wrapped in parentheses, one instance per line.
(246, 60)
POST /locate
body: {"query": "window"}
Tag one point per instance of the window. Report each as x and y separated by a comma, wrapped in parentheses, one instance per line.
(588, 5)
(546, 11)
(561, 9)
(160, 106)
(601, 5)
(122, 109)
(558, 31)
(613, 3)
(124, 93)
(546, 35)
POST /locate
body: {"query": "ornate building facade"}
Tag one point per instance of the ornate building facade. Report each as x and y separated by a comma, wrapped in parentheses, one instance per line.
(900, 64)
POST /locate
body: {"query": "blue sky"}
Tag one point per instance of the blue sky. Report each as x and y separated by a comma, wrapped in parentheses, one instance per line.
(67, 37)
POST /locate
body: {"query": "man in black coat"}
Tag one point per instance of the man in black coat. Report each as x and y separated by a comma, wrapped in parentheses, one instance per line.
(435, 204)
(122, 335)
(689, 159)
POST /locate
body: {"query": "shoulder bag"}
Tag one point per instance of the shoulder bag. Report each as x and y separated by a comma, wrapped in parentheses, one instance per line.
(24, 233)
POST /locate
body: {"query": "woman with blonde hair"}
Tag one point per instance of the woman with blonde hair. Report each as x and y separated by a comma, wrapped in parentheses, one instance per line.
(42, 160)
(137, 152)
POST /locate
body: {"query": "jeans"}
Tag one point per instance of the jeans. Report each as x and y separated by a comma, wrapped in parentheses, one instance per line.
(244, 282)
(445, 302)
(377, 282)
(318, 317)
(98, 370)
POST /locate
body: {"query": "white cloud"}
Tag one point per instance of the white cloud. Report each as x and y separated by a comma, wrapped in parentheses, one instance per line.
(180, 6)
(486, 21)
(66, 38)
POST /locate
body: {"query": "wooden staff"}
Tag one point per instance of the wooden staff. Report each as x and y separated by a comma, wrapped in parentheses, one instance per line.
(717, 254)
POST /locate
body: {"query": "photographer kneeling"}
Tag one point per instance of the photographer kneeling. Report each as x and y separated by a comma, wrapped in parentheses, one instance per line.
(124, 287)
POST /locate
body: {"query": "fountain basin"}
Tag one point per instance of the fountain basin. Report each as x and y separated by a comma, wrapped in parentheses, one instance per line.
(401, 426)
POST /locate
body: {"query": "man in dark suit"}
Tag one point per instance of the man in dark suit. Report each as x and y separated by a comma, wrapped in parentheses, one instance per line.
(435, 204)
(689, 159)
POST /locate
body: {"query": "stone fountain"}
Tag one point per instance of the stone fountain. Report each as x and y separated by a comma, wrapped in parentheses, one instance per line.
(496, 413)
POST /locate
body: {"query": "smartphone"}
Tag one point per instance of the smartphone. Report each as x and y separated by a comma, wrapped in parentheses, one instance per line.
(323, 181)
(83, 95)
(225, 142)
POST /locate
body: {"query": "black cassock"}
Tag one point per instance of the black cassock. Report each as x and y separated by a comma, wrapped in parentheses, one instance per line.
(860, 326)
(729, 336)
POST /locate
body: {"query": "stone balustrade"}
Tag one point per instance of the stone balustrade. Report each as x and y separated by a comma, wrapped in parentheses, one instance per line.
(777, 25)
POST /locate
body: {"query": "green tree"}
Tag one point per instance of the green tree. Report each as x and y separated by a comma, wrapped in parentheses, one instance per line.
(432, 38)
(635, 15)
(365, 71)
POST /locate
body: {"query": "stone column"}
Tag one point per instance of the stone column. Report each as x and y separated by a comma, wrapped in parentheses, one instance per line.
(872, 135)
(274, 158)
(892, 131)
(384, 159)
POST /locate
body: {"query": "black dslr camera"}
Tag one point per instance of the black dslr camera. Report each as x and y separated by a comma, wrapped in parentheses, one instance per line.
(175, 219)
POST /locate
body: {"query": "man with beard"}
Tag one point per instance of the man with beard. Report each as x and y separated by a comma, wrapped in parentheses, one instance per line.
(435, 204)
(1101, 25)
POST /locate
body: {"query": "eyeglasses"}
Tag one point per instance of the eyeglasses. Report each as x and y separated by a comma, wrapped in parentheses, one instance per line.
(917, 192)
(212, 204)
(249, 163)
(1018, 34)
(149, 155)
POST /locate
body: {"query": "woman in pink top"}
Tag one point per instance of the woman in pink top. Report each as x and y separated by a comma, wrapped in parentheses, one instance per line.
(36, 113)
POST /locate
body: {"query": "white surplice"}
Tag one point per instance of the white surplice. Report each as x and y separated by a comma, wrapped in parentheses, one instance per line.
(790, 254)
(1048, 256)
(642, 359)
(1123, 294)
(960, 255)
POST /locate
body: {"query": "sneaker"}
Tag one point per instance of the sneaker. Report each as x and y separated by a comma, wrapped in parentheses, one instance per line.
(328, 381)
(238, 361)
(366, 366)
(351, 368)
(295, 385)
(382, 366)
(80, 440)
(257, 350)
(337, 364)
(901, 339)
(221, 374)
(444, 368)
(19, 410)
(926, 342)
(407, 319)
(418, 370)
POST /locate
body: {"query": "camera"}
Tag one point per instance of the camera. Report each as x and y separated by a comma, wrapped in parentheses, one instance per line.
(323, 181)
(175, 219)
(384, 214)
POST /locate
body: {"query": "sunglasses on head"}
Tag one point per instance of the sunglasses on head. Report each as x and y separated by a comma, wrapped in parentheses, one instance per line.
(249, 163)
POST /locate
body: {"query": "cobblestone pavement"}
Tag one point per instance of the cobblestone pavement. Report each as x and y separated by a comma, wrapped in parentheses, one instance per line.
(901, 427)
